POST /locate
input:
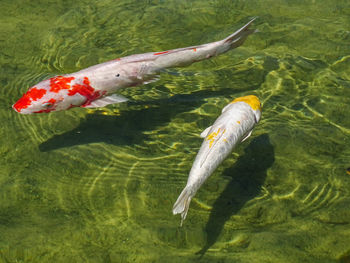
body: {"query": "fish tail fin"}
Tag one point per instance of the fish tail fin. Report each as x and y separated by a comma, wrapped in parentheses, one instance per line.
(183, 203)
(237, 38)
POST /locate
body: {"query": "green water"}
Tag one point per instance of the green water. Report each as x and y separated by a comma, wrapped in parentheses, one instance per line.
(99, 185)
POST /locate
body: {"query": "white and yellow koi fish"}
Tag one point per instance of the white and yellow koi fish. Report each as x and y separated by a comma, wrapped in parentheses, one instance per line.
(95, 86)
(233, 126)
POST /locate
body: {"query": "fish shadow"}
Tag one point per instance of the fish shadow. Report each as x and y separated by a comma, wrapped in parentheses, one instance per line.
(248, 175)
(128, 128)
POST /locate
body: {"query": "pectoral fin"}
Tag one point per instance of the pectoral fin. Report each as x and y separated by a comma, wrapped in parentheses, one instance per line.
(145, 75)
(112, 99)
(247, 136)
(205, 132)
(153, 79)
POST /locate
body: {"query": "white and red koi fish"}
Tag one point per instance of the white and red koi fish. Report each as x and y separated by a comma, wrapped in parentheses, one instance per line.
(233, 126)
(95, 86)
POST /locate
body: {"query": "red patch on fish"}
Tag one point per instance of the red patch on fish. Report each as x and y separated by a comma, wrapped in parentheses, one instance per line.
(160, 53)
(58, 83)
(32, 94)
(22, 103)
(194, 49)
(35, 93)
(85, 90)
(52, 101)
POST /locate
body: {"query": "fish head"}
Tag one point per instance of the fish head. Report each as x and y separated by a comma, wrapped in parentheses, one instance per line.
(254, 103)
(41, 99)
(55, 94)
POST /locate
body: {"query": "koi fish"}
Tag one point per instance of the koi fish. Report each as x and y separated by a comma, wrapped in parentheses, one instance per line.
(233, 126)
(95, 86)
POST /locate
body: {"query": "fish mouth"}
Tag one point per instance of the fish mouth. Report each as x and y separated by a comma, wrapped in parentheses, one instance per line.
(21, 111)
(14, 107)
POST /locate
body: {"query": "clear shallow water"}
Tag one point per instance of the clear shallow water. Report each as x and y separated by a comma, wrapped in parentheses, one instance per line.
(99, 185)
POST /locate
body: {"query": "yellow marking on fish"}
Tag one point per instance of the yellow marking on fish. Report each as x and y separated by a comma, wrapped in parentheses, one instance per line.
(211, 137)
(238, 122)
(251, 100)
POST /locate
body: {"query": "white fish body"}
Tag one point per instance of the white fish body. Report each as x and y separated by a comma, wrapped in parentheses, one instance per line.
(95, 86)
(233, 126)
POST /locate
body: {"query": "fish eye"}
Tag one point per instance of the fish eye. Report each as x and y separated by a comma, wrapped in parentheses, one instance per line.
(118, 75)
(47, 105)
